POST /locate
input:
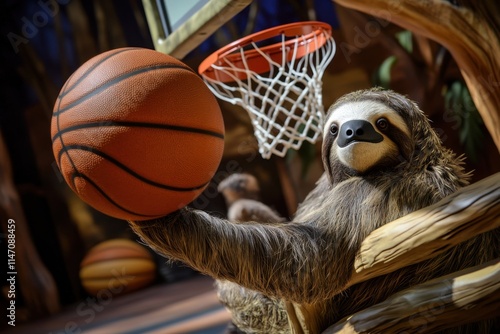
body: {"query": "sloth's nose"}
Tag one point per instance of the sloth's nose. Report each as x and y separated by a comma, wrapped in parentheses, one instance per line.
(357, 130)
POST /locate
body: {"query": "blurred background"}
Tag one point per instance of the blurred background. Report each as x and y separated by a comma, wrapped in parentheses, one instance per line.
(44, 41)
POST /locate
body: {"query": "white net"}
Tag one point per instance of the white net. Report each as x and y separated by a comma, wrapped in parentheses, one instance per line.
(285, 103)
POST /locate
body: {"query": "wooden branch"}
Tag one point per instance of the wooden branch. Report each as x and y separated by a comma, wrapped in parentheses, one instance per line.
(469, 32)
(466, 296)
(423, 234)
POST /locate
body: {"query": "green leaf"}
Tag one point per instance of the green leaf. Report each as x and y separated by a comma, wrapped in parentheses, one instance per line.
(383, 75)
(405, 39)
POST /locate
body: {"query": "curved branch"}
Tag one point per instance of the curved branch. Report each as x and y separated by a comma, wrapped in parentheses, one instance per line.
(460, 298)
(469, 33)
(423, 234)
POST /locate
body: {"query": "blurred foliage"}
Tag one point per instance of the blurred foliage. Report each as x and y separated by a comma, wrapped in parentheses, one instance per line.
(459, 106)
(382, 76)
(461, 109)
(405, 38)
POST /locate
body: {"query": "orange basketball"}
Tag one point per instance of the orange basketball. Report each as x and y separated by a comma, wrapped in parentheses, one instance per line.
(136, 133)
(115, 267)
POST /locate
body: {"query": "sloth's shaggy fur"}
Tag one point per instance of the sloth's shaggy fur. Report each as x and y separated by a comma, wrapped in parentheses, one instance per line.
(309, 261)
(251, 311)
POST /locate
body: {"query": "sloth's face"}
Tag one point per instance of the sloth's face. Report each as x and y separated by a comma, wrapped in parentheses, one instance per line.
(362, 135)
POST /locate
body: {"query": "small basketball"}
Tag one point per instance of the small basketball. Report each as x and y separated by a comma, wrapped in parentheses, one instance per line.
(136, 133)
(115, 267)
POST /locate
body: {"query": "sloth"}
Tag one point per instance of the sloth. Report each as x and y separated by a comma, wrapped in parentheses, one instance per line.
(241, 192)
(382, 160)
(251, 311)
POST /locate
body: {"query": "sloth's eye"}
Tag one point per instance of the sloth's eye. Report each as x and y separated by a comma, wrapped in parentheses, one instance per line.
(382, 124)
(334, 129)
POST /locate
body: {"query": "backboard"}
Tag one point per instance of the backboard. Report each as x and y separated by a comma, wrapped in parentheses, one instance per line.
(179, 26)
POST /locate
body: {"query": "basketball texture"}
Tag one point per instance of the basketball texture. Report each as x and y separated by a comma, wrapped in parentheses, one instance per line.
(115, 267)
(136, 133)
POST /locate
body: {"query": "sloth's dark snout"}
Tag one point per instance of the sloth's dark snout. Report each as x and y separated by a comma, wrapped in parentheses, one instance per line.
(357, 130)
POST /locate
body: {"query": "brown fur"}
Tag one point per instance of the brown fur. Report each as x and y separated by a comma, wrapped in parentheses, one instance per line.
(239, 186)
(251, 311)
(242, 192)
(310, 260)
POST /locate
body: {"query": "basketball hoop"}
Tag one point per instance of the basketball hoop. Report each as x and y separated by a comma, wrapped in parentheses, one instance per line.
(279, 84)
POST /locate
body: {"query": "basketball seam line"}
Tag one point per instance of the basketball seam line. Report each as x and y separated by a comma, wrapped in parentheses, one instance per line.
(137, 124)
(114, 81)
(128, 257)
(116, 247)
(121, 249)
(64, 145)
(97, 278)
(125, 168)
(85, 177)
(91, 69)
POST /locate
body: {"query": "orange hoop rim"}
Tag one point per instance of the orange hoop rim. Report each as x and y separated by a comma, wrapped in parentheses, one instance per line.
(311, 35)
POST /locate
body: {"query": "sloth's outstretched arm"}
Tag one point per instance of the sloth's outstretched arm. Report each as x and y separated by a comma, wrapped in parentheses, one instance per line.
(286, 260)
